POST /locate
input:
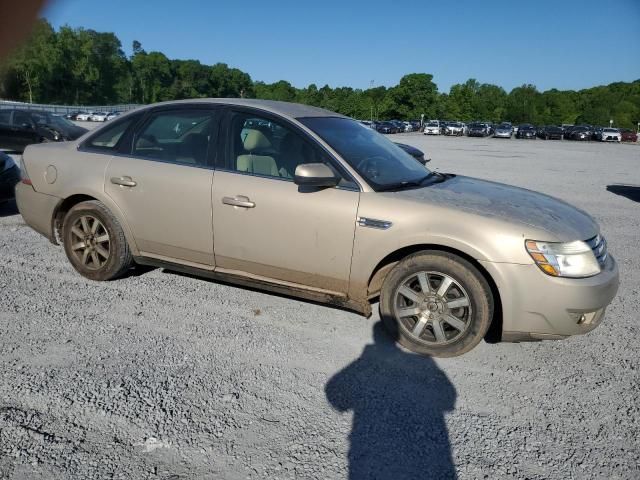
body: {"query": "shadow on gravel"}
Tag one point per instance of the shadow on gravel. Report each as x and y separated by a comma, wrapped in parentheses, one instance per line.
(8, 209)
(632, 192)
(399, 401)
(254, 289)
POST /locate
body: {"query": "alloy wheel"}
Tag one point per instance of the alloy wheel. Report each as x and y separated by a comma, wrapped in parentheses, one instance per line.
(432, 308)
(91, 244)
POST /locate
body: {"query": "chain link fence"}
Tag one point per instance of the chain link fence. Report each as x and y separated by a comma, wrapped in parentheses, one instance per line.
(64, 109)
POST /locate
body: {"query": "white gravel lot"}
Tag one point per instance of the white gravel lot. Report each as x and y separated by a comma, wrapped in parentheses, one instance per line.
(164, 376)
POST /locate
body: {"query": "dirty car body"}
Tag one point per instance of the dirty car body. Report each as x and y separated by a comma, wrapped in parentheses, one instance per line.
(307, 202)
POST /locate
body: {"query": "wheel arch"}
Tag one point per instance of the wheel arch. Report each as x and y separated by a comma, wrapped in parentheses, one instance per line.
(384, 266)
(69, 202)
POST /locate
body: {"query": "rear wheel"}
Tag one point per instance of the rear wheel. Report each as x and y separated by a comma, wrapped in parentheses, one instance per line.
(95, 243)
(436, 303)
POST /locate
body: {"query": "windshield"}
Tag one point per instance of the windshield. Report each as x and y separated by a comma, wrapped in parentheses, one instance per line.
(42, 118)
(379, 161)
(433, 124)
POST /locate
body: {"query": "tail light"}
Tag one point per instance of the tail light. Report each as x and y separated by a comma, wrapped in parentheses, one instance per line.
(24, 176)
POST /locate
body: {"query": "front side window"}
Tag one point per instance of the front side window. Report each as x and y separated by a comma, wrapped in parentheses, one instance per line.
(176, 136)
(379, 161)
(261, 146)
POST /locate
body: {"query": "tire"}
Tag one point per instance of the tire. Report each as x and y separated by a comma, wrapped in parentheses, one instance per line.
(108, 255)
(463, 283)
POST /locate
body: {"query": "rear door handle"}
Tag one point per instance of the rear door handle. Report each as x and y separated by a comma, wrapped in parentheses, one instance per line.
(124, 181)
(238, 201)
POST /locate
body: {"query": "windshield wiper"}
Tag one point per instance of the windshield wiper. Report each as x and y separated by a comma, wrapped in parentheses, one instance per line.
(412, 183)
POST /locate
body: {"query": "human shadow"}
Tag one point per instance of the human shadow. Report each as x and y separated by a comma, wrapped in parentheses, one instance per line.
(632, 192)
(398, 401)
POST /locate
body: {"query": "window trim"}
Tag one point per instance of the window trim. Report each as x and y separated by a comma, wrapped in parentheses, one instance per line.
(225, 146)
(125, 149)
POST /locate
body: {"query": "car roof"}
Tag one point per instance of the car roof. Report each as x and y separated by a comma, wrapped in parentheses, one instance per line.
(286, 109)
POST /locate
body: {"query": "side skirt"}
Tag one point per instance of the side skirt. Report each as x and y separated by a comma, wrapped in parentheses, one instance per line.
(261, 283)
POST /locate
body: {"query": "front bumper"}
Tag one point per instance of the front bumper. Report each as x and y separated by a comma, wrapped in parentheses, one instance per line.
(502, 135)
(536, 306)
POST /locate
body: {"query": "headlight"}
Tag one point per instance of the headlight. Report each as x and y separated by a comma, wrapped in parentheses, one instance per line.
(572, 259)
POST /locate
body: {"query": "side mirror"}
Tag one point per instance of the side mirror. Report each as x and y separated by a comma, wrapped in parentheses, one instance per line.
(28, 126)
(315, 175)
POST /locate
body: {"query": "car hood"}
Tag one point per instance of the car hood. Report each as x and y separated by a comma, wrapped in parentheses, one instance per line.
(512, 204)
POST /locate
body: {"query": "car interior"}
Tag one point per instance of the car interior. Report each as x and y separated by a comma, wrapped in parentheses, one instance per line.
(265, 148)
(175, 138)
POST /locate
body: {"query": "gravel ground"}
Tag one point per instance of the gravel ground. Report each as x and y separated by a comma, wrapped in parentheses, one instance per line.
(164, 376)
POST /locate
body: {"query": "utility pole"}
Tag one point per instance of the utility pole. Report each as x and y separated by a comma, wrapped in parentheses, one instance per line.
(370, 88)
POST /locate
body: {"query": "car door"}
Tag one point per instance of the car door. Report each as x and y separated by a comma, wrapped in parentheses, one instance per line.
(264, 224)
(161, 181)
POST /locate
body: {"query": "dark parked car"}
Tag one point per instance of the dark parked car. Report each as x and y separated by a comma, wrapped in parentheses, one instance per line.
(629, 135)
(478, 130)
(19, 128)
(550, 132)
(398, 124)
(581, 132)
(386, 127)
(414, 152)
(526, 130)
(9, 177)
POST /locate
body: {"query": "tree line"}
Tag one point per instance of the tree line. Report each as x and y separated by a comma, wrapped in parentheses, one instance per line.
(77, 66)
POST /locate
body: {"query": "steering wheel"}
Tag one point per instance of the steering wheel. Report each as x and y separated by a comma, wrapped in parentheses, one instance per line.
(369, 166)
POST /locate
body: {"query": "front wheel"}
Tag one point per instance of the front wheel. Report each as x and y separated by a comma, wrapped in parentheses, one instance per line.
(94, 242)
(436, 303)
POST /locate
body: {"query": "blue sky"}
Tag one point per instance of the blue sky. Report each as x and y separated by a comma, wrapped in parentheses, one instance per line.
(552, 44)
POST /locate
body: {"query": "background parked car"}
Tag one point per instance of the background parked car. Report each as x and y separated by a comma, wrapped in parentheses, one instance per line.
(9, 177)
(112, 115)
(504, 130)
(19, 128)
(581, 132)
(628, 135)
(610, 135)
(432, 128)
(99, 117)
(72, 115)
(526, 130)
(550, 132)
(478, 130)
(386, 127)
(84, 116)
(453, 128)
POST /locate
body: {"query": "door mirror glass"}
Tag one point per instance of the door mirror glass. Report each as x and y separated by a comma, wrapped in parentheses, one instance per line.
(315, 175)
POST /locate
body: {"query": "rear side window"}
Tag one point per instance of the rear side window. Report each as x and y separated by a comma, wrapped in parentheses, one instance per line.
(108, 138)
(180, 136)
(5, 116)
(22, 119)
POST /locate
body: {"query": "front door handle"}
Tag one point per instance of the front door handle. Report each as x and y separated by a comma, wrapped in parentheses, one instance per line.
(124, 181)
(238, 201)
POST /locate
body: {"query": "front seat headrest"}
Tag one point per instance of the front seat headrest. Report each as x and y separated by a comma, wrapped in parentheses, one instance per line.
(256, 140)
